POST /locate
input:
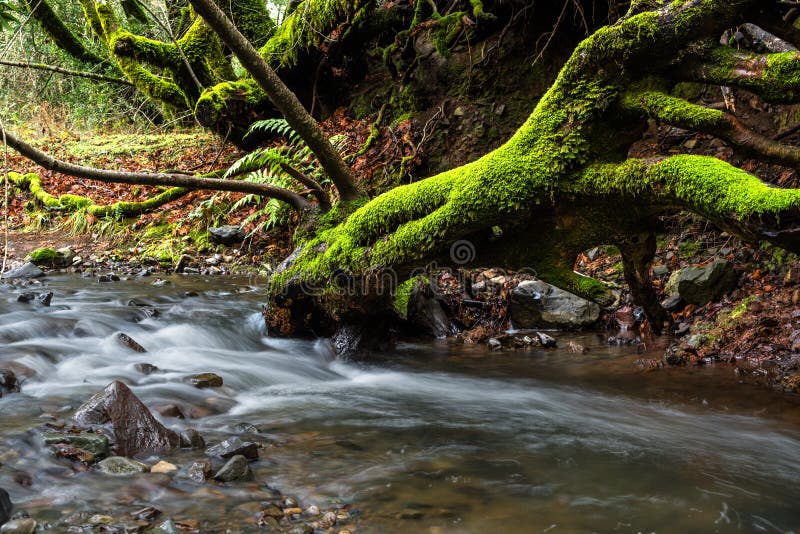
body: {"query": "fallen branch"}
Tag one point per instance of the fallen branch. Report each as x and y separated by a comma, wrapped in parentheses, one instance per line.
(142, 178)
(68, 72)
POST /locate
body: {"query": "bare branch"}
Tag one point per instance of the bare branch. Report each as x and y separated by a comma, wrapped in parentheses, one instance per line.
(313, 186)
(68, 72)
(141, 178)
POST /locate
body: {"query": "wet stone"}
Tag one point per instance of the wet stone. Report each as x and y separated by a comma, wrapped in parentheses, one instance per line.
(121, 466)
(234, 470)
(45, 298)
(191, 439)
(246, 428)
(27, 270)
(148, 513)
(545, 340)
(129, 342)
(8, 382)
(145, 368)
(200, 470)
(97, 444)
(204, 380)
(226, 235)
(171, 410)
(19, 526)
(232, 447)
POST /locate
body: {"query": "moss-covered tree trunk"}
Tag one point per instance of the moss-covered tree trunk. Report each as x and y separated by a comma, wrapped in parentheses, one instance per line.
(563, 182)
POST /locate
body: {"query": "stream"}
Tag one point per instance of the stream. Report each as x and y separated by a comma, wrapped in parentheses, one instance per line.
(432, 437)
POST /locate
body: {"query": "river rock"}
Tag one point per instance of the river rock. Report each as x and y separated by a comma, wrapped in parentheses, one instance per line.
(545, 340)
(136, 431)
(97, 444)
(425, 311)
(26, 270)
(163, 467)
(204, 380)
(129, 342)
(226, 235)
(701, 285)
(19, 526)
(200, 470)
(5, 506)
(233, 447)
(191, 439)
(121, 466)
(145, 368)
(536, 303)
(234, 470)
(8, 382)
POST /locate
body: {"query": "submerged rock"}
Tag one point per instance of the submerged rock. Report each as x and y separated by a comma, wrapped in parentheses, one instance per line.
(27, 270)
(701, 285)
(5, 506)
(234, 470)
(536, 303)
(191, 439)
(204, 380)
(136, 431)
(121, 466)
(232, 447)
(145, 368)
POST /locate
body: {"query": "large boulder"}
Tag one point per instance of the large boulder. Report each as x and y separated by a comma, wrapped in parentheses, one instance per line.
(136, 431)
(701, 285)
(27, 270)
(536, 303)
(5, 506)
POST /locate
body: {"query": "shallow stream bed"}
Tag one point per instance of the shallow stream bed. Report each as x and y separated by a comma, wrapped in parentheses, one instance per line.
(431, 437)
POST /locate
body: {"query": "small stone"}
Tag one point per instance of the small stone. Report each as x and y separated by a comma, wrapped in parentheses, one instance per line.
(129, 342)
(8, 382)
(45, 298)
(163, 467)
(494, 344)
(545, 340)
(191, 439)
(246, 428)
(500, 109)
(26, 297)
(183, 262)
(167, 527)
(293, 511)
(660, 270)
(234, 470)
(19, 526)
(200, 470)
(234, 446)
(672, 303)
(313, 510)
(121, 466)
(159, 282)
(204, 380)
(146, 514)
(145, 368)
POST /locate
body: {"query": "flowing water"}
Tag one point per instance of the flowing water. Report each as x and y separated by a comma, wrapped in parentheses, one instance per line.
(430, 437)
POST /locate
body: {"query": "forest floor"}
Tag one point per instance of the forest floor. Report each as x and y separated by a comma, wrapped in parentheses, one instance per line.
(754, 330)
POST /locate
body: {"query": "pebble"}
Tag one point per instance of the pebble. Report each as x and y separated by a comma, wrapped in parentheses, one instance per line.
(200, 470)
(163, 467)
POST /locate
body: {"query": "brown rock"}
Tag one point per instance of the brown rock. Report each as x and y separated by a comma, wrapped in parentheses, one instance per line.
(204, 380)
(200, 471)
(135, 429)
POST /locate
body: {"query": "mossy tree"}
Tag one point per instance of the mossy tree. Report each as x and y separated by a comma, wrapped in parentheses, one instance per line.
(564, 181)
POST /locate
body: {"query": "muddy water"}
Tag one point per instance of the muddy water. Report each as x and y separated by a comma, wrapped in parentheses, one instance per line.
(432, 437)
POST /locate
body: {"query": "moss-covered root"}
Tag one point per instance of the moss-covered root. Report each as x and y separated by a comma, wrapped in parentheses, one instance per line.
(730, 197)
(73, 203)
(638, 251)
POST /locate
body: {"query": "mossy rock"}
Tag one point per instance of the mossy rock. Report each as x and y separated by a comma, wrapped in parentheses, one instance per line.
(44, 256)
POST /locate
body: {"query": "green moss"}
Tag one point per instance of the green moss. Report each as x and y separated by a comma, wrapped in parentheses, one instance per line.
(43, 256)
(201, 239)
(54, 26)
(403, 293)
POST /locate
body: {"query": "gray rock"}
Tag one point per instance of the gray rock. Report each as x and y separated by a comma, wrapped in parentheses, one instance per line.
(167, 527)
(226, 235)
(494, 344)
(200, 470)
(537, 303)
(19, 526)
(5, 506)
(234, 447)
(660, 270)
(136, 431)
(129, 342)
(234, 470)
(426, 312)
(672, 303)
(545, 340)
(145, 368)
(121, 466)
(96, 444)
(191, 439)
(701, 285)
(27, 270)
(204, 380)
